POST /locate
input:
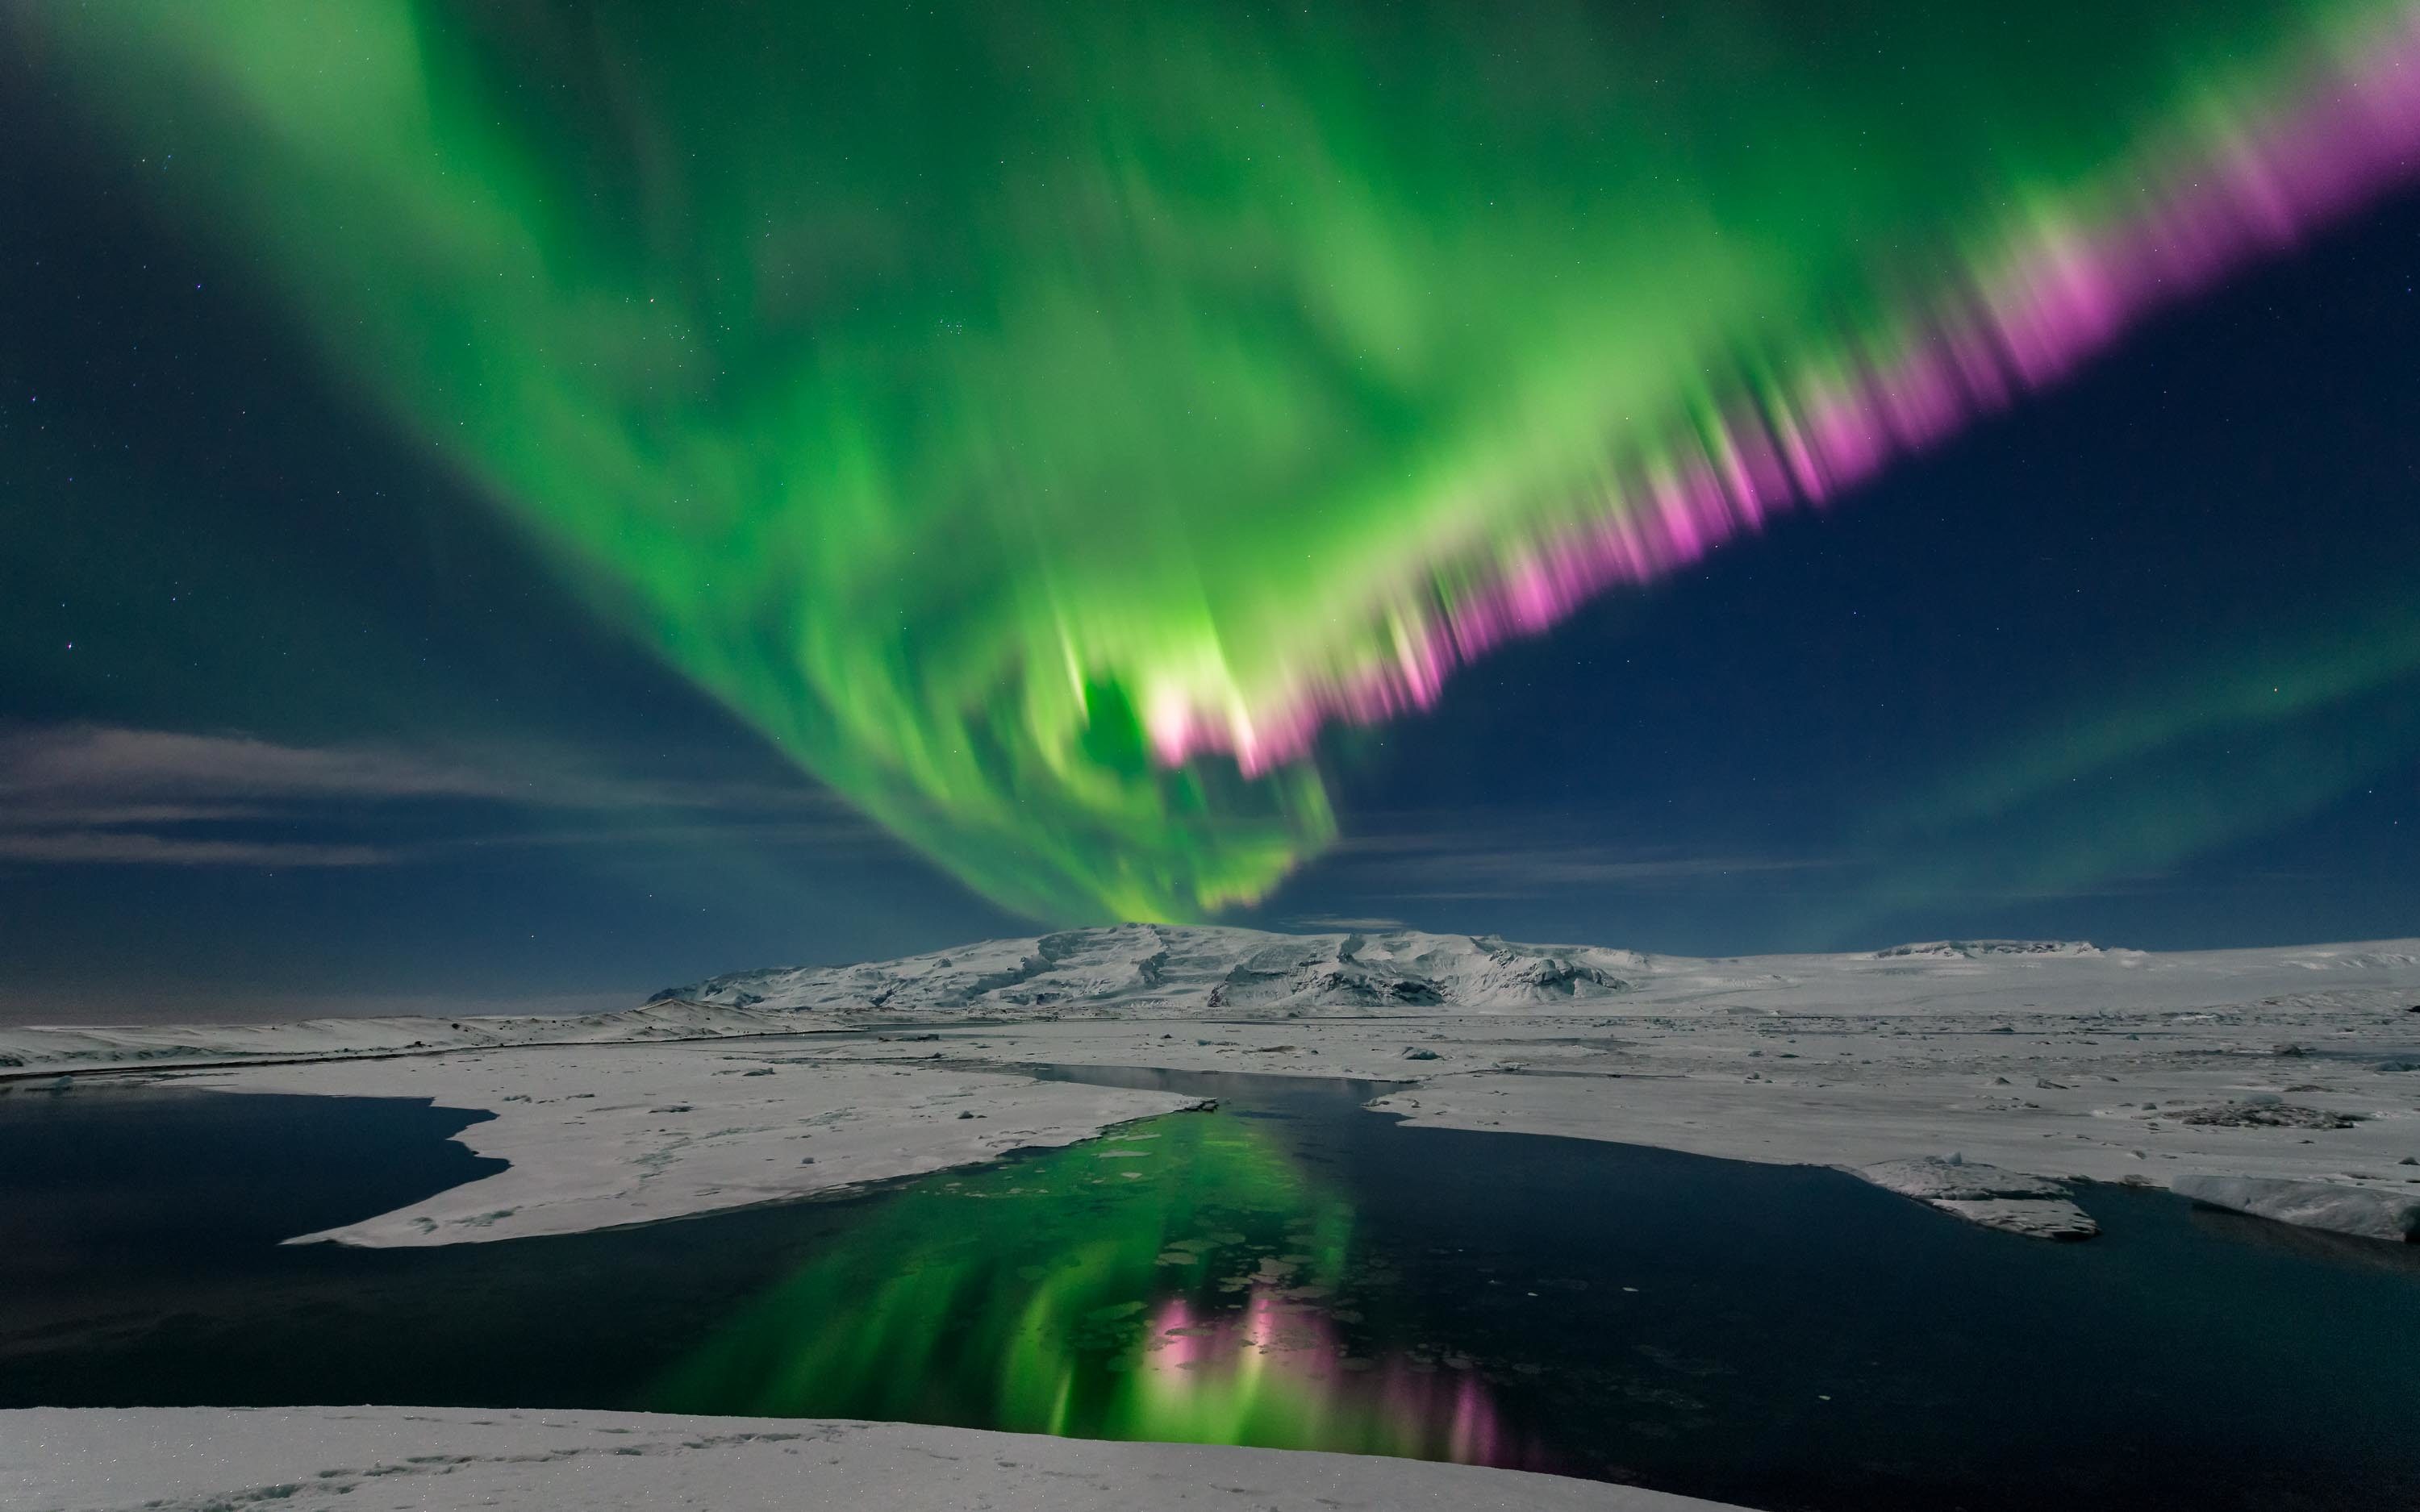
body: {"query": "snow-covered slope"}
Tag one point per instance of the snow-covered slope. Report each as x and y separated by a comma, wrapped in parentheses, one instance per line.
(456, 1460)
(24, 1051)
(1142, 968)
(1148, 966)
(1137, 971)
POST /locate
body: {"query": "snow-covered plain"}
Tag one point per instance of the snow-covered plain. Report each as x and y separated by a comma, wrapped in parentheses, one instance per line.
(2294, 1067)
(607, 1136)
(439, 1459)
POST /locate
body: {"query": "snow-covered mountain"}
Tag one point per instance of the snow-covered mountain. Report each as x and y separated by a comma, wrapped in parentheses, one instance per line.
(1148, 968)
(1143, 967)
(1980, 950)
(1160, 971)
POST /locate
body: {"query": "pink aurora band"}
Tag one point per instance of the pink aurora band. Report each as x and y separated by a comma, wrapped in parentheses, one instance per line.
(2067, 288)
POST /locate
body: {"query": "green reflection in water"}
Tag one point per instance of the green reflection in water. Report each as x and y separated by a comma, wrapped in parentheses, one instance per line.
(1177, 1282)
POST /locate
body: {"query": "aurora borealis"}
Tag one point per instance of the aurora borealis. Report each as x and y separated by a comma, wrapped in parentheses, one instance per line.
(796, 710)
(1044, 423)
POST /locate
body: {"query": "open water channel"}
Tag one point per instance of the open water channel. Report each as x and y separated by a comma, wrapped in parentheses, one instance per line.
(1289, 1270)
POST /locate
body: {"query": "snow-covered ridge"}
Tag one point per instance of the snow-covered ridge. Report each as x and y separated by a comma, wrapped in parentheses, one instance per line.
(1979, 950)
(1154, 968)
(1137, 971)
(1136, 966)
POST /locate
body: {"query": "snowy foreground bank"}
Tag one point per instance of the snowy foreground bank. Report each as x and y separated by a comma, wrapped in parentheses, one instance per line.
(436, 1460)
(1976, 1076)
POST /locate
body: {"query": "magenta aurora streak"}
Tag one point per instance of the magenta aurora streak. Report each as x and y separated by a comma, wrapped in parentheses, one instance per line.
(2183, 218)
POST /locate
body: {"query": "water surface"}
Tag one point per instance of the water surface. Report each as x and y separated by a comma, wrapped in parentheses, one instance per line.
(1289, 1270)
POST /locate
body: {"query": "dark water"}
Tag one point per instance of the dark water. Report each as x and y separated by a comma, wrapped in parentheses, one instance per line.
(1289, 1270)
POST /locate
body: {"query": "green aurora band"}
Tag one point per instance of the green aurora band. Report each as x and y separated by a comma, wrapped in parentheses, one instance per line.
(1039, 420)
(2194, 756)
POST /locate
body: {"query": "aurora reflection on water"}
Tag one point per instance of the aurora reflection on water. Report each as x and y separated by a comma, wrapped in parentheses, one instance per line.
(1180, 1282)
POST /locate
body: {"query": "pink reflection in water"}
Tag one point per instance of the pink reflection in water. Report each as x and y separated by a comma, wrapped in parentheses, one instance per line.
(1213, 1369)
(2066, 290)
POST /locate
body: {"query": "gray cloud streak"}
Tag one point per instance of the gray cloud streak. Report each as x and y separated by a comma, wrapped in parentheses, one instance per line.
(1452, 867)
(90, 795)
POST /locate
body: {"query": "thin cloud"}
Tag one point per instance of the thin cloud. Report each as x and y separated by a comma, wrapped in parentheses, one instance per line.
(1461, 867)
(82, 761)
(92, 795)
(136, 848)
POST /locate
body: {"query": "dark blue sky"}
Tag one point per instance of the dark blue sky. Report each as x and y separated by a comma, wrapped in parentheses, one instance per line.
(2094, 586)
(286, 718)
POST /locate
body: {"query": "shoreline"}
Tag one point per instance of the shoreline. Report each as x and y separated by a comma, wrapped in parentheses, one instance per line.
(2284, 1083)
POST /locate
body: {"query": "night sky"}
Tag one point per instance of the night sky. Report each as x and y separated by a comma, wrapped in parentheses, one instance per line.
(369, 639)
